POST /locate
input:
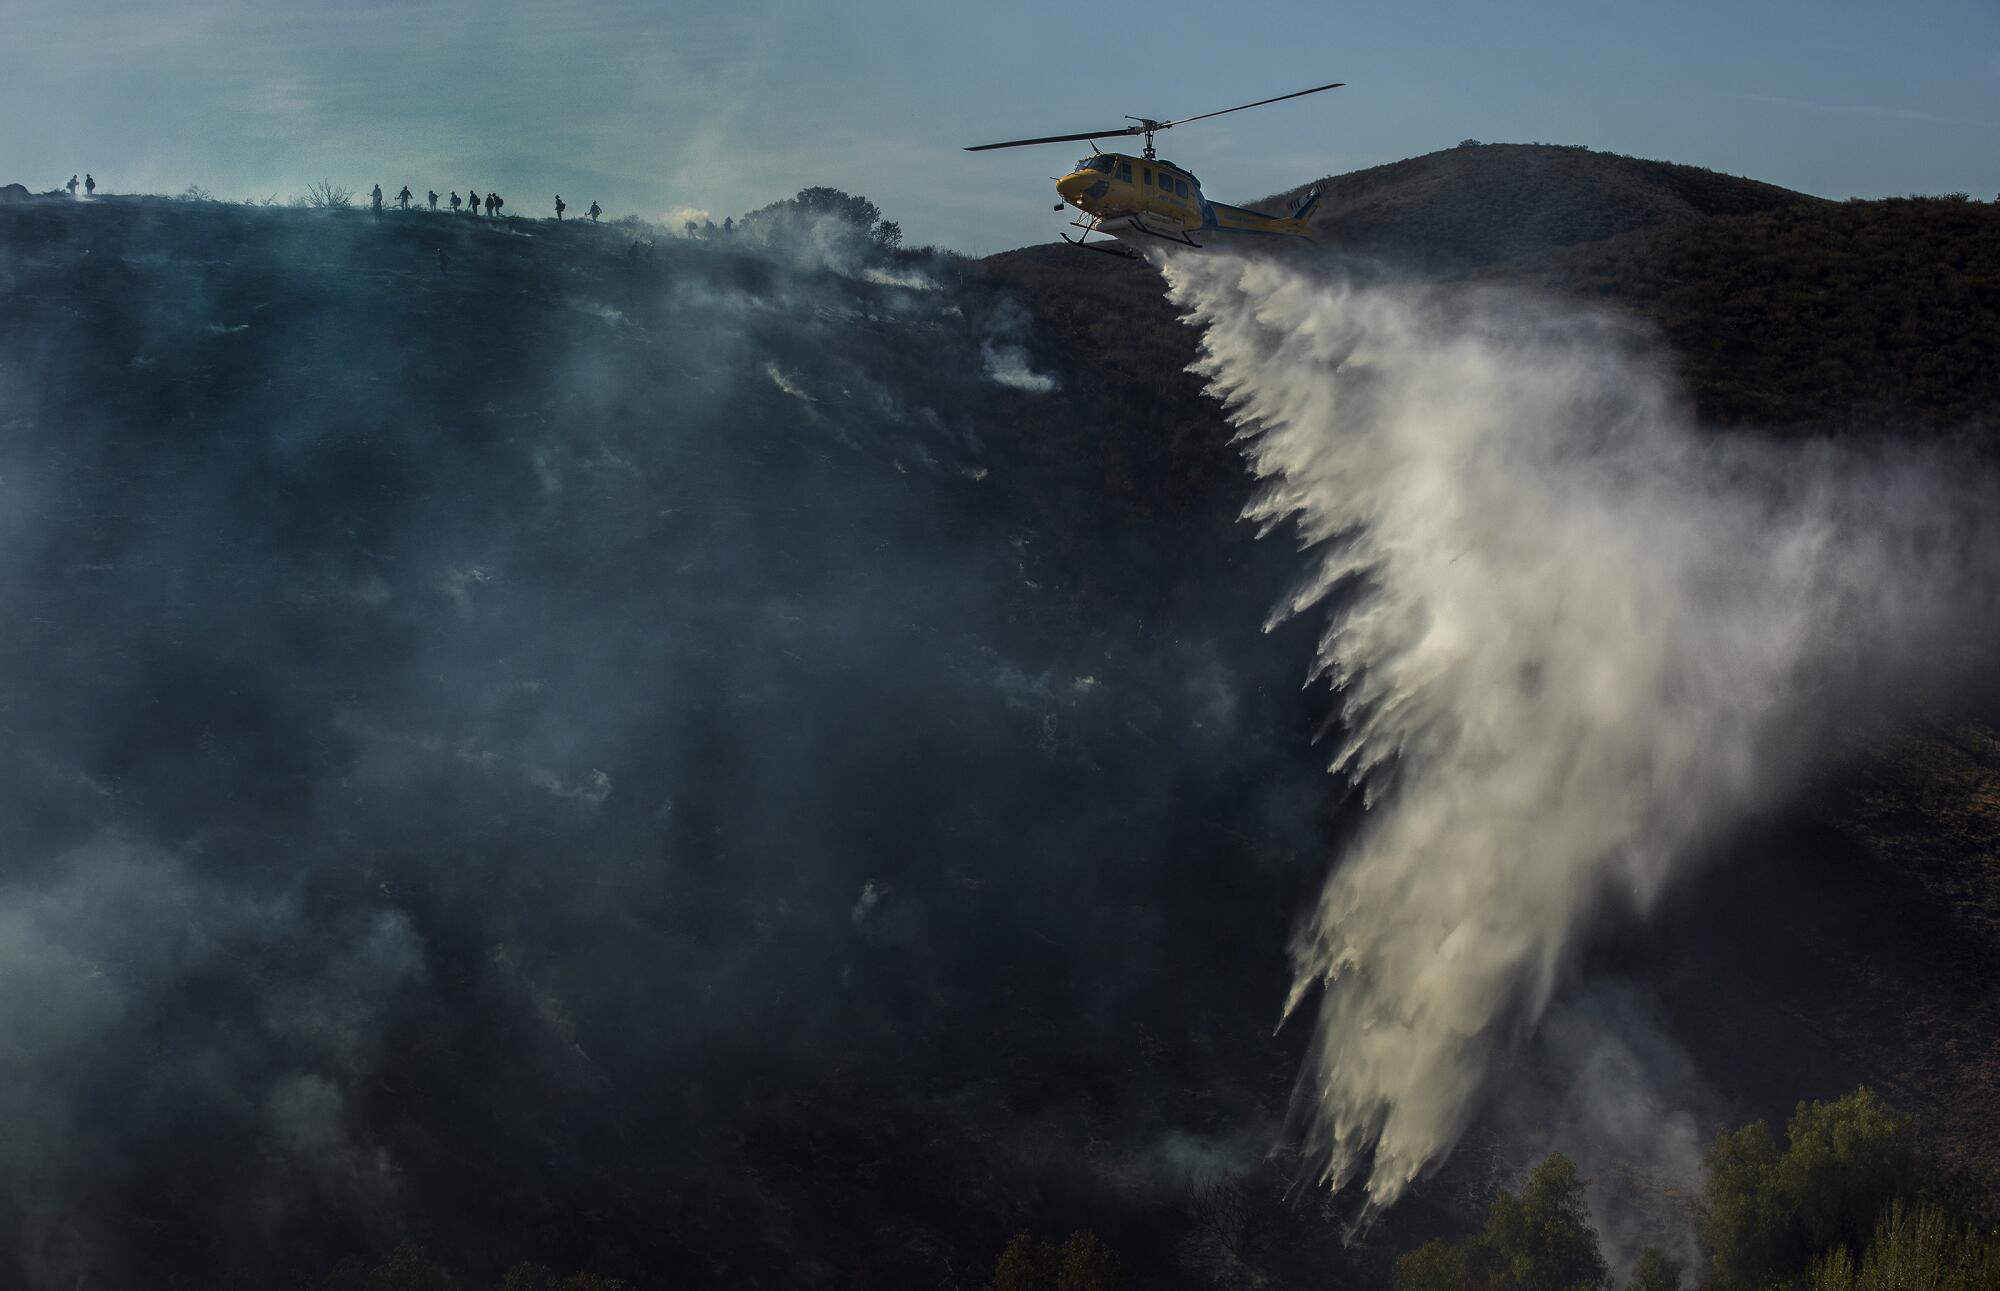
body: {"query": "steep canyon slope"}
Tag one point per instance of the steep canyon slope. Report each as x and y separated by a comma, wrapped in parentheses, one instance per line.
(753, 766)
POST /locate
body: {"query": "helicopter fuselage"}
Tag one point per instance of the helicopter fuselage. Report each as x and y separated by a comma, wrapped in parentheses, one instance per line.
(1129, 196)
(1125, 195)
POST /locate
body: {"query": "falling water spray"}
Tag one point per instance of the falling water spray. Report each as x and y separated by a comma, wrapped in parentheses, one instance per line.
(1570, 637)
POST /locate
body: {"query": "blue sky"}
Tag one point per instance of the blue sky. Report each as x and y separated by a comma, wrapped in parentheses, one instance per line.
(653, 107)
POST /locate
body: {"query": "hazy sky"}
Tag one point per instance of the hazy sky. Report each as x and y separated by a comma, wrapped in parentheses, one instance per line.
(651, 107)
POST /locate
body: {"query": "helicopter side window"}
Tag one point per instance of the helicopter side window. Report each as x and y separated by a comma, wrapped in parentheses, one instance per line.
(1149, 175)
(1125, 171)
(1180, 186)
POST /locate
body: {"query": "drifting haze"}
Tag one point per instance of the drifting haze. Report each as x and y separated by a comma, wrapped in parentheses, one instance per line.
(1571, 640)
(727, 106)
(706, 761)
(581, 759)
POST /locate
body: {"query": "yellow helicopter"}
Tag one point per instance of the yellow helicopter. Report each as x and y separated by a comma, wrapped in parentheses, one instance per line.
(1126, 197)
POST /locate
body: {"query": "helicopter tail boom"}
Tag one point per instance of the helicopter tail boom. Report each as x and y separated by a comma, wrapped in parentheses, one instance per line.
(1223, 218)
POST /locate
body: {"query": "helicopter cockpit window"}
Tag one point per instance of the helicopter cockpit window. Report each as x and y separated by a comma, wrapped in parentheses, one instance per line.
(1100, 162)
(1125, 171)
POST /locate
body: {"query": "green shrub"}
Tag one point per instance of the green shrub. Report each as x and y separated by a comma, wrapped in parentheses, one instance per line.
(1768, 1214)
(1654, 1272)
(1026, 1265)
(1914, 1249)
(1537, 1240)
(1082, 1263)
(410, 1268)
(1437, 1265)
(1087, 1264)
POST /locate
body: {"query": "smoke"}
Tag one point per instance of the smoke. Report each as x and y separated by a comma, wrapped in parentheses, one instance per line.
(482, 775)
(1605, 1083)
(908, 279)
(117, 938)
(1570, 637)
(1005, 352)
(1008, 365)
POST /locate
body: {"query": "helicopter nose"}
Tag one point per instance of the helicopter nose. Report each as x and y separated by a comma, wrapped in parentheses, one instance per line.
(1081, 184)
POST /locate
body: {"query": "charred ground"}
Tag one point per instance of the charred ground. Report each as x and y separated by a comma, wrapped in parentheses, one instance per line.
(675, 767)
(648, 764)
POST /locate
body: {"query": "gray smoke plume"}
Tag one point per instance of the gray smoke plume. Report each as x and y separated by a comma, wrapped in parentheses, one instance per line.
(1570, 637)
(494, 758)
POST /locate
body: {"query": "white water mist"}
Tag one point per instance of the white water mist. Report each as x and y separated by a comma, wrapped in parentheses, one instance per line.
(1570, 637)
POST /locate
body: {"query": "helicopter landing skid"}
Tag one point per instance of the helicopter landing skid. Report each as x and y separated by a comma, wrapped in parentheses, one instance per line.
(1121, 252)
(1181, 241)
(1095, 226)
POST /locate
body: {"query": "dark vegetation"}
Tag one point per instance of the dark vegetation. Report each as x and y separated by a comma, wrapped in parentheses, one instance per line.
(613, 779)
(1483, 204)
(1782, 313)
(1019, 1027)
(792, 218)
(1853, 317)
(1538, 1239)
(1081, 1263)
(410, 1268)
(1846, 1201)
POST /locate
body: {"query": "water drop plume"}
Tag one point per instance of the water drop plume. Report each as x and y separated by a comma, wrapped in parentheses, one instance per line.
(1571, 637)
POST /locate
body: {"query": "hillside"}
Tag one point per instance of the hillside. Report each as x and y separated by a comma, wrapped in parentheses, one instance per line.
(740, 766)
(569, 757)
(1482, 204)
(1851, 318)
(1781, 315)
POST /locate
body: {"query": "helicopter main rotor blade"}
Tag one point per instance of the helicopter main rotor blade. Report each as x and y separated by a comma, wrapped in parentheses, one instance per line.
(1056, 138)
(1146, 127)
(1258, 104)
